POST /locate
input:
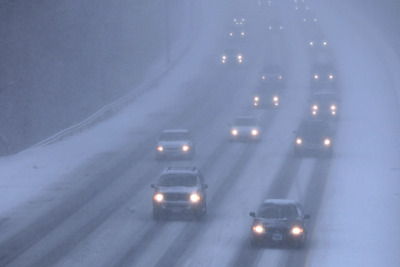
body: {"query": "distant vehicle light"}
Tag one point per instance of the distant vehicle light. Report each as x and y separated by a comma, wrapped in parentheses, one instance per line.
(315, 107)
(331, 77)
(327, 142)
(256, 98)
(185, 148)
(160, 148)
(299, 141)
(234, 132)
(275, 99)
(316, 77)
(333, 107)
(254, 132)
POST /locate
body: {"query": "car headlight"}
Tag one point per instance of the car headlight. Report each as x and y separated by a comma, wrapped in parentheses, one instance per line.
(158, 197)
(296, 230)
(331, 77)
(256, 99)
(333, 107)
(242, 33)
(316, 77)
(311, 43)
(160, 148)
(327, 142)
(315, 107)
(185, 148)
(254, 132)
(275, 99)
(194, 198)
(325, 43)
(258, 229)
(263, 77)
(234, 132)
(299, 141)
(231, 34)
(280, 77)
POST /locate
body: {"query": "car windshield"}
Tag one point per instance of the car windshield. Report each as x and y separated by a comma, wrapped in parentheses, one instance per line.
(272, 70)
(272, 211)
(245, 122)
(171, 136)
(324, 98)
(186, 180)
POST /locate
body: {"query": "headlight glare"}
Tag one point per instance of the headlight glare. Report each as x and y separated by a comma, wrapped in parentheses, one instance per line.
(194, 198)
(296, 230)
(158, 197)
(259, 229)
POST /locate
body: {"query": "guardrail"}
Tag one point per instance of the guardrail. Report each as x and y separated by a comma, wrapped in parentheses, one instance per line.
(116, 106)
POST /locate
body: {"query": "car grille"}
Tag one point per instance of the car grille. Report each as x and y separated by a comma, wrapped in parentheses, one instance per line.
(176, 196)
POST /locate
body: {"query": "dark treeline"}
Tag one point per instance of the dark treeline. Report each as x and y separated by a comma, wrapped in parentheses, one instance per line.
(60, 61)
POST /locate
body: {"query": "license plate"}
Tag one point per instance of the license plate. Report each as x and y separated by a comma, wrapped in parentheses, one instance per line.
(277, 237)
(177, 209)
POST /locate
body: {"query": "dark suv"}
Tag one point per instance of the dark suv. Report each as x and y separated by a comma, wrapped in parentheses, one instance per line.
(180, 190)
(279, 221)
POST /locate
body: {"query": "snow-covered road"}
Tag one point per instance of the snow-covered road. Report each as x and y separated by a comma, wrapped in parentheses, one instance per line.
(86, 201)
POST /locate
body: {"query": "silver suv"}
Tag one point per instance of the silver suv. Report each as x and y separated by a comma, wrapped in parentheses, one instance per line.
(180, 190)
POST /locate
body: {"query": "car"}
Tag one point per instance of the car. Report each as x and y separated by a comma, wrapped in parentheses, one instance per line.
(175, 143)
(324, 105)
(314, 137)
(237, 34)
(279, 221)
(238, 20)
(323, 75)
(232, 56)
(272, 76)
(274, 26)
(180, 190)
(264, 97)
(245, 129)
(318, 42)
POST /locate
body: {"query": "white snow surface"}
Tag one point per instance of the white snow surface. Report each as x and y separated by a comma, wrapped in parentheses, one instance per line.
(358, 220)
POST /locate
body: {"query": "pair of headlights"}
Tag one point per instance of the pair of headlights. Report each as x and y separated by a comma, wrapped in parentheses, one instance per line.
(194, 198)
(235, 132)
(259, 229)
(327, 141)
(185, 148)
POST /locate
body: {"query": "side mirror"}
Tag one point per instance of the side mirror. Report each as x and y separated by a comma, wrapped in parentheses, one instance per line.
(252, 214)
(306, 216)
(204, 186)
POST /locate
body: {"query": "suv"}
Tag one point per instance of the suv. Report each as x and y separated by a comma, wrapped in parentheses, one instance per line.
(314, 136)
(180, 190)
(175, 144)
(279, 221)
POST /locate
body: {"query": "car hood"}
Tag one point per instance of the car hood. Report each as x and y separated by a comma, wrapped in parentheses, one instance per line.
(177, 189)
(173, 143)
(278, 223)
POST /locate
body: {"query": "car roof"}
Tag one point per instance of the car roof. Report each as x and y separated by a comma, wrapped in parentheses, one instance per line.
(176, 131)
(280, 202)
(169, 170)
